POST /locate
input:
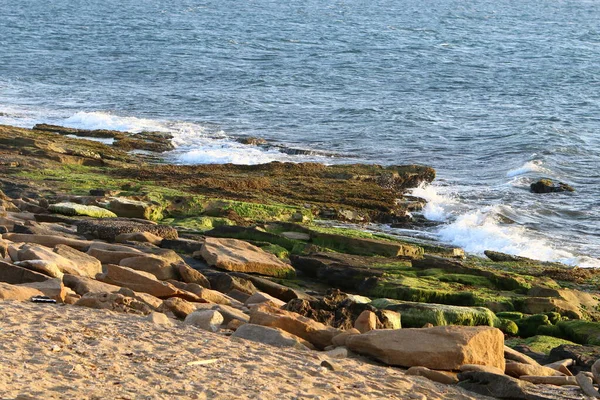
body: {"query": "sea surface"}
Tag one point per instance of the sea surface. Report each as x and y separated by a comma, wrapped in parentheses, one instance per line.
(493, 94)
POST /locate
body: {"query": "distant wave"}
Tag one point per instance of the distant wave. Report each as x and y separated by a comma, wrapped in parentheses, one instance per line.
(529, 166)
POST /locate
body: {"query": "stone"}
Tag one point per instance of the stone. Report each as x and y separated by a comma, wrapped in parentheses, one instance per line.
(19, 293)
(130, 208)
(158, 318)
(87, 265)
(45, 267)
(52, 288)
(80, 209)
(115, 302)
(209, 320)
(584, 356)
(498, 386)
(190, 275)
(230, 313)
(179, 307)
(237, 255)
(187, 246)
(112, 256)
(562, 366)
(225, 283)
(517, 369)
(14, 274)
(239, 296)
(109, 229)
(444, 377)
(586, 383)
(338, 352)
(596, 371)
(74, 266)
(366, 321)
(550, 380)
(47, 240)
(271, 336)
(481, 368)
(296, 235)
(138, 281)
(549, 186)
(162, 269)
(511, 354)
(340, 339)
(260, 297)
(3, 245)
(310, 330)
(208, 295)
(368, 247)
(144, 237)
(274, 289)
(442, 347)
(235, 324)
(331, 366)
(82, 285)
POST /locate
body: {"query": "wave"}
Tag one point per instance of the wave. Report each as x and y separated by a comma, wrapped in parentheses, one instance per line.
(529, 166)
(483, 229)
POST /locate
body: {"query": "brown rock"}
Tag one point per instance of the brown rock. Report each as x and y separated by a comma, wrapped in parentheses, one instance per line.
(181, 308)
(511, 354)
(586, 383)
(596, 371)
(52, 288)
(82, 285)
(517, 369)
(550, 380)
(562, 366)
(260, 297)
(237, 255)
(160, 268)
(444, 377)
(481, 368)
(441, 347)
(76, 266)
(235, 324)
(145, 237)
(138, 281)
(314, 332)
(114, 302)
(209, 320)
(271, 336)
(14, 274)
(190, 275)
(208, 295)
(112, 257)
(366, 321)
(47, 240)
(89, 266)
(45, 267)
(20, 293)
(340, 339)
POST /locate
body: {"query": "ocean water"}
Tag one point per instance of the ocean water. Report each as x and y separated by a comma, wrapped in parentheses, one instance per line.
(493, 94)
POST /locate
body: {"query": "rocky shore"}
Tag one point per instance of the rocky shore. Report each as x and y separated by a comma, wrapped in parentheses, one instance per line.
(126, 277)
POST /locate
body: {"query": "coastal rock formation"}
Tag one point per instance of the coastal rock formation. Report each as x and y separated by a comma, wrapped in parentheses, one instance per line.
(549, 186)
(444, 347)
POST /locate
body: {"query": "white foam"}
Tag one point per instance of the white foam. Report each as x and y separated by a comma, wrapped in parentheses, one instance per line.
(439, 207)
(221, 151)
(103, 120)
(529, 166)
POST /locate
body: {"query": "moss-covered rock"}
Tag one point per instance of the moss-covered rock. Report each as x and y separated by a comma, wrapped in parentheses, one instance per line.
(507, 326)
(511, 315)
(68, 208)
(415, 315)
(582, 332)
(539, 343)
(528, 326)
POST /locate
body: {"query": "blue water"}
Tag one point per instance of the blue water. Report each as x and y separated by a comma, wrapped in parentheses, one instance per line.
(493, 94)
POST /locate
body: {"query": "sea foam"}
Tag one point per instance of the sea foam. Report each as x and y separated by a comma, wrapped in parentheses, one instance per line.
(529, 166)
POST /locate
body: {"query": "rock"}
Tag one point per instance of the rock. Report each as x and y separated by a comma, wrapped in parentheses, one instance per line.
(390, 319)
(112, 257)
(239, 296)
(549, 186)
(481, 368)
(47, 240)
(82, 285)
(209, 320)
(114, 302)
(260, 297)
(52, 288)
(367, 247)
(208, 295)
(79, 209)
(338, 352)
(274, 289)
(13, 274)
(517, 369)
(366, 321)
(129, 208)
(109, 229)
(190, 275)
(153, 302)
(158, 318)
(442, 347)
(252, 141)
(503, 257)
(444, 377)
(330, 365)
(511, 354)
(314, 332)
(181, 308)
(3, 245)
(271, 336)
(236, 255)
(568, 302)
(162, 269)
(138, 281)
(20, 293)
(562, 366)
(596, 371)
(187, 246)
(235, 324)
(87, 265)
(63, 264)
(144, 237)
(296, 235)
(229, 313)
(225, 283)
(45, 267)
(498, 386)
(340, 339)
(550, 380)
(586, 384)
(584, 356)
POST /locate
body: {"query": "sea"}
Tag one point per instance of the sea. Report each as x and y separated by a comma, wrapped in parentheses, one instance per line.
(493, 94)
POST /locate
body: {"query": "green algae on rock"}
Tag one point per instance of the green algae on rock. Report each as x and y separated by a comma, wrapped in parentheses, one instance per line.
(80, 209)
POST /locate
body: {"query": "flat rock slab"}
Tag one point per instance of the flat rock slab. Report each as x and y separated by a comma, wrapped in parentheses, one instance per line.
(237, 255)
(109, 229)
(68, 208)
(441, 347)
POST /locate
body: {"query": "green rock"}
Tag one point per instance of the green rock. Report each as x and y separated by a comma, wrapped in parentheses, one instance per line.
(68, 208)
(512, 315)
(582, 332)
(507, 326)
(415, 315)
(539, 343)
(529, 326)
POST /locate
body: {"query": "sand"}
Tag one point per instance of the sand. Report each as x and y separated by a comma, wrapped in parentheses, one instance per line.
(66, 352)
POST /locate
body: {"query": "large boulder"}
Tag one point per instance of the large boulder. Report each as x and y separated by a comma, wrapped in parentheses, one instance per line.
(442, 347)
(15, 275)
(138, 281)
(89, 265)
(68, 208)
(271, 336)
(77, 264)
(318, 334)
(240, 256)
(135, 209)
(82, 285)
(20, 293)
(109, 229)
(157, 266)
(52, 288)
(47, 240)
(190, 275)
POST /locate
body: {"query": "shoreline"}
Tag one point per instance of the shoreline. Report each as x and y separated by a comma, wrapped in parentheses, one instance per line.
(93, 225)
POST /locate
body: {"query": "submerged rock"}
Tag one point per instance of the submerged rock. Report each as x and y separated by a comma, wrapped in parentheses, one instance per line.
(549, 186)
